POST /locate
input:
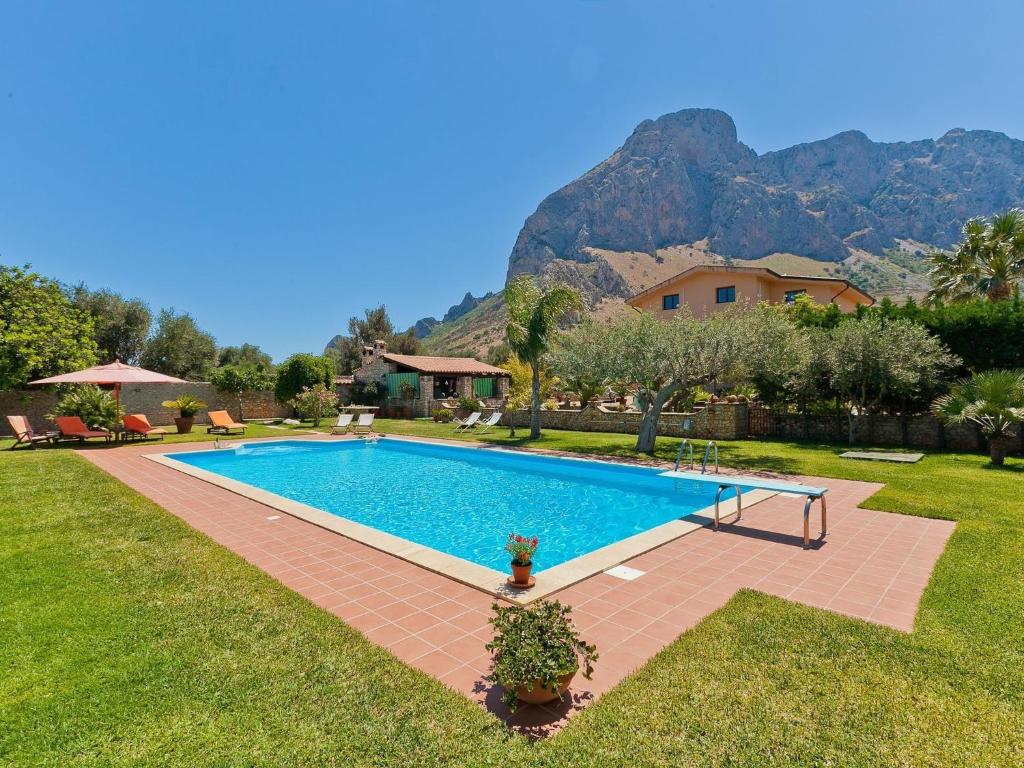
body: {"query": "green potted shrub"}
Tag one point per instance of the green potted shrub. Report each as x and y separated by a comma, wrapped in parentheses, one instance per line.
(537, 652)
(186, 406)
(443, 415)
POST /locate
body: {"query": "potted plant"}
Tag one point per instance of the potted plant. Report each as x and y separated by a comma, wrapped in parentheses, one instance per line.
(536, 652)
(443, 415)
(186, 406)
(522, 549)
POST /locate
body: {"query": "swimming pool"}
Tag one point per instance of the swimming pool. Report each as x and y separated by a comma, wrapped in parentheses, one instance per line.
(463, 501)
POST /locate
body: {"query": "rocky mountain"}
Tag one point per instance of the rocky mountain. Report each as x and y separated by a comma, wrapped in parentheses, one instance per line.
(683, 189)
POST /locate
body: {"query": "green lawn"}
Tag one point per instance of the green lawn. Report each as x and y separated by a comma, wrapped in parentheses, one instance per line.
(128, 639)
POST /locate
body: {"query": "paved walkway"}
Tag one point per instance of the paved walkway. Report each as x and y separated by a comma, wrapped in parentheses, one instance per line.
(873, 566)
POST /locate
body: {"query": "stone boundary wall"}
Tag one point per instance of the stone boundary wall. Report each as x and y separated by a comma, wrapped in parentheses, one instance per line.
(720, 421)
(729, 421)
(910, 431)
(147, 399)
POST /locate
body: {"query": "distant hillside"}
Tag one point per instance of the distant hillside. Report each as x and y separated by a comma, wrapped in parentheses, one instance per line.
(684, 190)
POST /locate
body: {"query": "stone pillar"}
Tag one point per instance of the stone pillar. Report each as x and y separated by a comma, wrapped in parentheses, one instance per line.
(501, 387)
(425, 402)
(464, 386)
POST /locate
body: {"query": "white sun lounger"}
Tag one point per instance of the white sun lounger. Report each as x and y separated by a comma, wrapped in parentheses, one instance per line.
(342, 425)
(364, 424)
(491, 421)
(741, 483)
(469, 423)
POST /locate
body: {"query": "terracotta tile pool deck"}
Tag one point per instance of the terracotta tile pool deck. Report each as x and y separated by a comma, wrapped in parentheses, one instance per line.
(872, 566)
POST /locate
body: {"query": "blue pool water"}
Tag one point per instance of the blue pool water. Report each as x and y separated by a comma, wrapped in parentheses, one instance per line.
(464, 501)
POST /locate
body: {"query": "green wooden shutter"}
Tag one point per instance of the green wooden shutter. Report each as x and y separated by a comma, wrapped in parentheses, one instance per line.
(483, 387)
(395, 380)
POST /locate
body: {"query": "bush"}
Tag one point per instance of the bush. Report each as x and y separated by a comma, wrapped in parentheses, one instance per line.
(89, 403)
(315, 403)
(443, 415)
(538, 642)
(302, 371)
(470, 404)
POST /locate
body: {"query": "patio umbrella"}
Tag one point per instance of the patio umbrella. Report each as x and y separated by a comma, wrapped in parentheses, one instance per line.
(116, 373)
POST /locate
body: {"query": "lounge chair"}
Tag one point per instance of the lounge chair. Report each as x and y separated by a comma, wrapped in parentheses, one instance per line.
(489, 422)
(364, 424)
(136, 424)
(25, 435)
(73, 428)
(342, 425)
(464, 425)
(221, 422)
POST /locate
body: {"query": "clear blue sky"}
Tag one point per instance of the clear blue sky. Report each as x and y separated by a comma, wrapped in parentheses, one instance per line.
(273, 168)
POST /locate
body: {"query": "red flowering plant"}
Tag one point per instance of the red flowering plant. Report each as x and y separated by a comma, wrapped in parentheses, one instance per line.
(521, 548)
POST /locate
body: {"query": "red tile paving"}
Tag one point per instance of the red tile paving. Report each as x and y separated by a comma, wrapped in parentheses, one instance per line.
(873, 566)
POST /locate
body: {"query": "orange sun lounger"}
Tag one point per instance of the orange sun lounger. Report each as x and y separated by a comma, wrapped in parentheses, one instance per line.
(220, 421)
(136, 424)
(72, 427)
(25, 435)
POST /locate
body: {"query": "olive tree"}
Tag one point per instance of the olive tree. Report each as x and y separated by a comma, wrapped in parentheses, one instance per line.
(579, 357)
(869, 360)
(656, 359)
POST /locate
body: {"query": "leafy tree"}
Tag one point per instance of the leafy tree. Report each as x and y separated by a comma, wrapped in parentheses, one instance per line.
(579, 360)
(315, 403)
(780, 370)
(988, 262)
(239, 379)
(346, 351)
(994, 400)
(869, 360)
(41, 332)
(96, 407)
(245, 356)
(302, 370)
(120, 325)
(984, 334)
(179, 348)
(656, 359)
(533, 316)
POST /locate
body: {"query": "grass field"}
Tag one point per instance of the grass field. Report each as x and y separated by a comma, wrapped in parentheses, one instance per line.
(126, 638)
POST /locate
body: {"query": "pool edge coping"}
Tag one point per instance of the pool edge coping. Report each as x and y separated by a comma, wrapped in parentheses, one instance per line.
(471, 574)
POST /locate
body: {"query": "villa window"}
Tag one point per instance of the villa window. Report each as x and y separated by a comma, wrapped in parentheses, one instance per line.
(791, 295)
(725, 295)
(670, 301)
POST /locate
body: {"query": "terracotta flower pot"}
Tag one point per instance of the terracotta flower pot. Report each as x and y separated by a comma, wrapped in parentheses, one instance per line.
(521, 573)
(541, 695)
(184, 424)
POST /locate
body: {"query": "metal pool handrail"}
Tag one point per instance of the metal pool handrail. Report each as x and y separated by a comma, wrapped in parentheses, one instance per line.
(707, 455)
(679, 456)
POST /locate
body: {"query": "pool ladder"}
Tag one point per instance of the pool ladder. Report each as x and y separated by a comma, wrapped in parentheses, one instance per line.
(686, 444)
(707, 455)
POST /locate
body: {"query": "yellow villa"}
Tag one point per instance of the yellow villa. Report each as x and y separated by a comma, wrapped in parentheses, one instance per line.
(706, 289)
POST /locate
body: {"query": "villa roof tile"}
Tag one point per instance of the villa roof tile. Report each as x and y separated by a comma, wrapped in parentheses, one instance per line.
(466, 366)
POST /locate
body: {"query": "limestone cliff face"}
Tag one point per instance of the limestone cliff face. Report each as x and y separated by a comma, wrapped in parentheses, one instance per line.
(685, 177)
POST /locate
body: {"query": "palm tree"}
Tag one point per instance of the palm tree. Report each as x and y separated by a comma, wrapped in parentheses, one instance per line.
(994, 400)
(988, 262)
(533, 316)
